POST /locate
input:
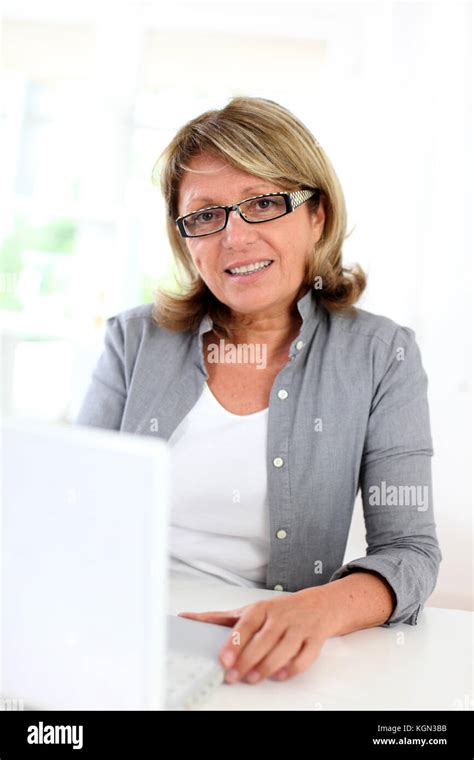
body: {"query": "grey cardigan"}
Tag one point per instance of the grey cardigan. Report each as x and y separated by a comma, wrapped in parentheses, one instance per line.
(353, 414)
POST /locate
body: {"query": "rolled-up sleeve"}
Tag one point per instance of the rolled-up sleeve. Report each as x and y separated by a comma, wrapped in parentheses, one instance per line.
(106, 395)
(396, 483)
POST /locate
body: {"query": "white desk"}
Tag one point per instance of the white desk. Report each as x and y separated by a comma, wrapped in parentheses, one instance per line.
(422, 667)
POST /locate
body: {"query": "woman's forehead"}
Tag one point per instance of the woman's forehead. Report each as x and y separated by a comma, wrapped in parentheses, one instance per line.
(211, 171)
(210, 176)
(207, 164)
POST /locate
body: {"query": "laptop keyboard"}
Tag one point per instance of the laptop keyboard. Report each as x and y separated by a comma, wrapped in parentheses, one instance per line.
(190, 679)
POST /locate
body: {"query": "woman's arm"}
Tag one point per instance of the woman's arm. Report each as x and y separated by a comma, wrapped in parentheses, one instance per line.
(105, 398)
(396, 483)
(282, 636)
(360, 600)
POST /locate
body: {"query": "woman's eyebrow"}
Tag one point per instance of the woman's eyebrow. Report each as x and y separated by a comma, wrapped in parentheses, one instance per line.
(244, 192)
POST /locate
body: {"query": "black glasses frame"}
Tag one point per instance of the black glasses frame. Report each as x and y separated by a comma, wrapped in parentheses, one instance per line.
(292, 202)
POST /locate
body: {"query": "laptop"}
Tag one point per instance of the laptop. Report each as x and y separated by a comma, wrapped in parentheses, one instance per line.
(84, 576)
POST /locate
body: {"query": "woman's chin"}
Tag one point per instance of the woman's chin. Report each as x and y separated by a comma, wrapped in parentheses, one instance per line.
(250, 303)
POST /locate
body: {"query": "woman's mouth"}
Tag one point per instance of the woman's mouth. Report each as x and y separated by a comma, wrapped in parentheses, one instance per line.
(249, 272)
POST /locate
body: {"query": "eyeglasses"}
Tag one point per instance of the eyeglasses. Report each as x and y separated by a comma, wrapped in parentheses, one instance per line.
(260, 208)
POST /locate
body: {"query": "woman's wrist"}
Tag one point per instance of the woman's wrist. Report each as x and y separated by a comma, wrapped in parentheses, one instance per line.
(322, 600)
(362, 599)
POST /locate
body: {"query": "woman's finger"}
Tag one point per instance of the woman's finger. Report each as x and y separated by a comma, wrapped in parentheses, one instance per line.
(249, 623)
(257, 648)
(275, 657)
(219, 617)
(308, 653)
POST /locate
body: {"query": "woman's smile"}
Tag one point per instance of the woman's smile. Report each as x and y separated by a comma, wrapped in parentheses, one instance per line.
(250, 272)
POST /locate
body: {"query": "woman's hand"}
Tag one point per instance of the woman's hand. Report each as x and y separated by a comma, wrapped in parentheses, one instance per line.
(276, 637)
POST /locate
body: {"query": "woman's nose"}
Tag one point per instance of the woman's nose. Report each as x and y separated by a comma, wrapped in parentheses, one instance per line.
(237, 229)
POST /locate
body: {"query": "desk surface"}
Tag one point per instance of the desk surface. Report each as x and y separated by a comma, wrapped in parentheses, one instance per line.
(422, 667)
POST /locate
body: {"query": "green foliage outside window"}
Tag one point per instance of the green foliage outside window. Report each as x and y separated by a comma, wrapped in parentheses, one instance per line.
(56, 238)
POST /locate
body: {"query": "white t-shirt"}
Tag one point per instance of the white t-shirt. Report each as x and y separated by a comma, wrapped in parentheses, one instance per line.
(219, 526)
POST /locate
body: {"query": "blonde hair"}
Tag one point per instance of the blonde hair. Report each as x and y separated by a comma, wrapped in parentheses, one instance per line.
(262, 138)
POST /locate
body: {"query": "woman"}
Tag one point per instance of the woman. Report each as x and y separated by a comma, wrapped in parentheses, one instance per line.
(279, 399)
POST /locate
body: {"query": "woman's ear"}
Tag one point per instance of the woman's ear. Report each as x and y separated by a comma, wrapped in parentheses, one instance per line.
(318, 219)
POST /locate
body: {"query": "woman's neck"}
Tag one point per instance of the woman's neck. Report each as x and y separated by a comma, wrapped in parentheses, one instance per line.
(276, 332)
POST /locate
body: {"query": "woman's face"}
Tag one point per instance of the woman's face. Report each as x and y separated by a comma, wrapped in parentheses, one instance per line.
(286, 241)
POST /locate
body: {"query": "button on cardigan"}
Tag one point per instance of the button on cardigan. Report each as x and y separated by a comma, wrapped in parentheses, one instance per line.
(348, 411)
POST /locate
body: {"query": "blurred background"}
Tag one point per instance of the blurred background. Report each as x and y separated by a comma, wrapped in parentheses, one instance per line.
(91, 92)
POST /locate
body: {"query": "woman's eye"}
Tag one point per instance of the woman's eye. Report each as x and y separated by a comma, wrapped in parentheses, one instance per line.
(205, 216)
(264, 204)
